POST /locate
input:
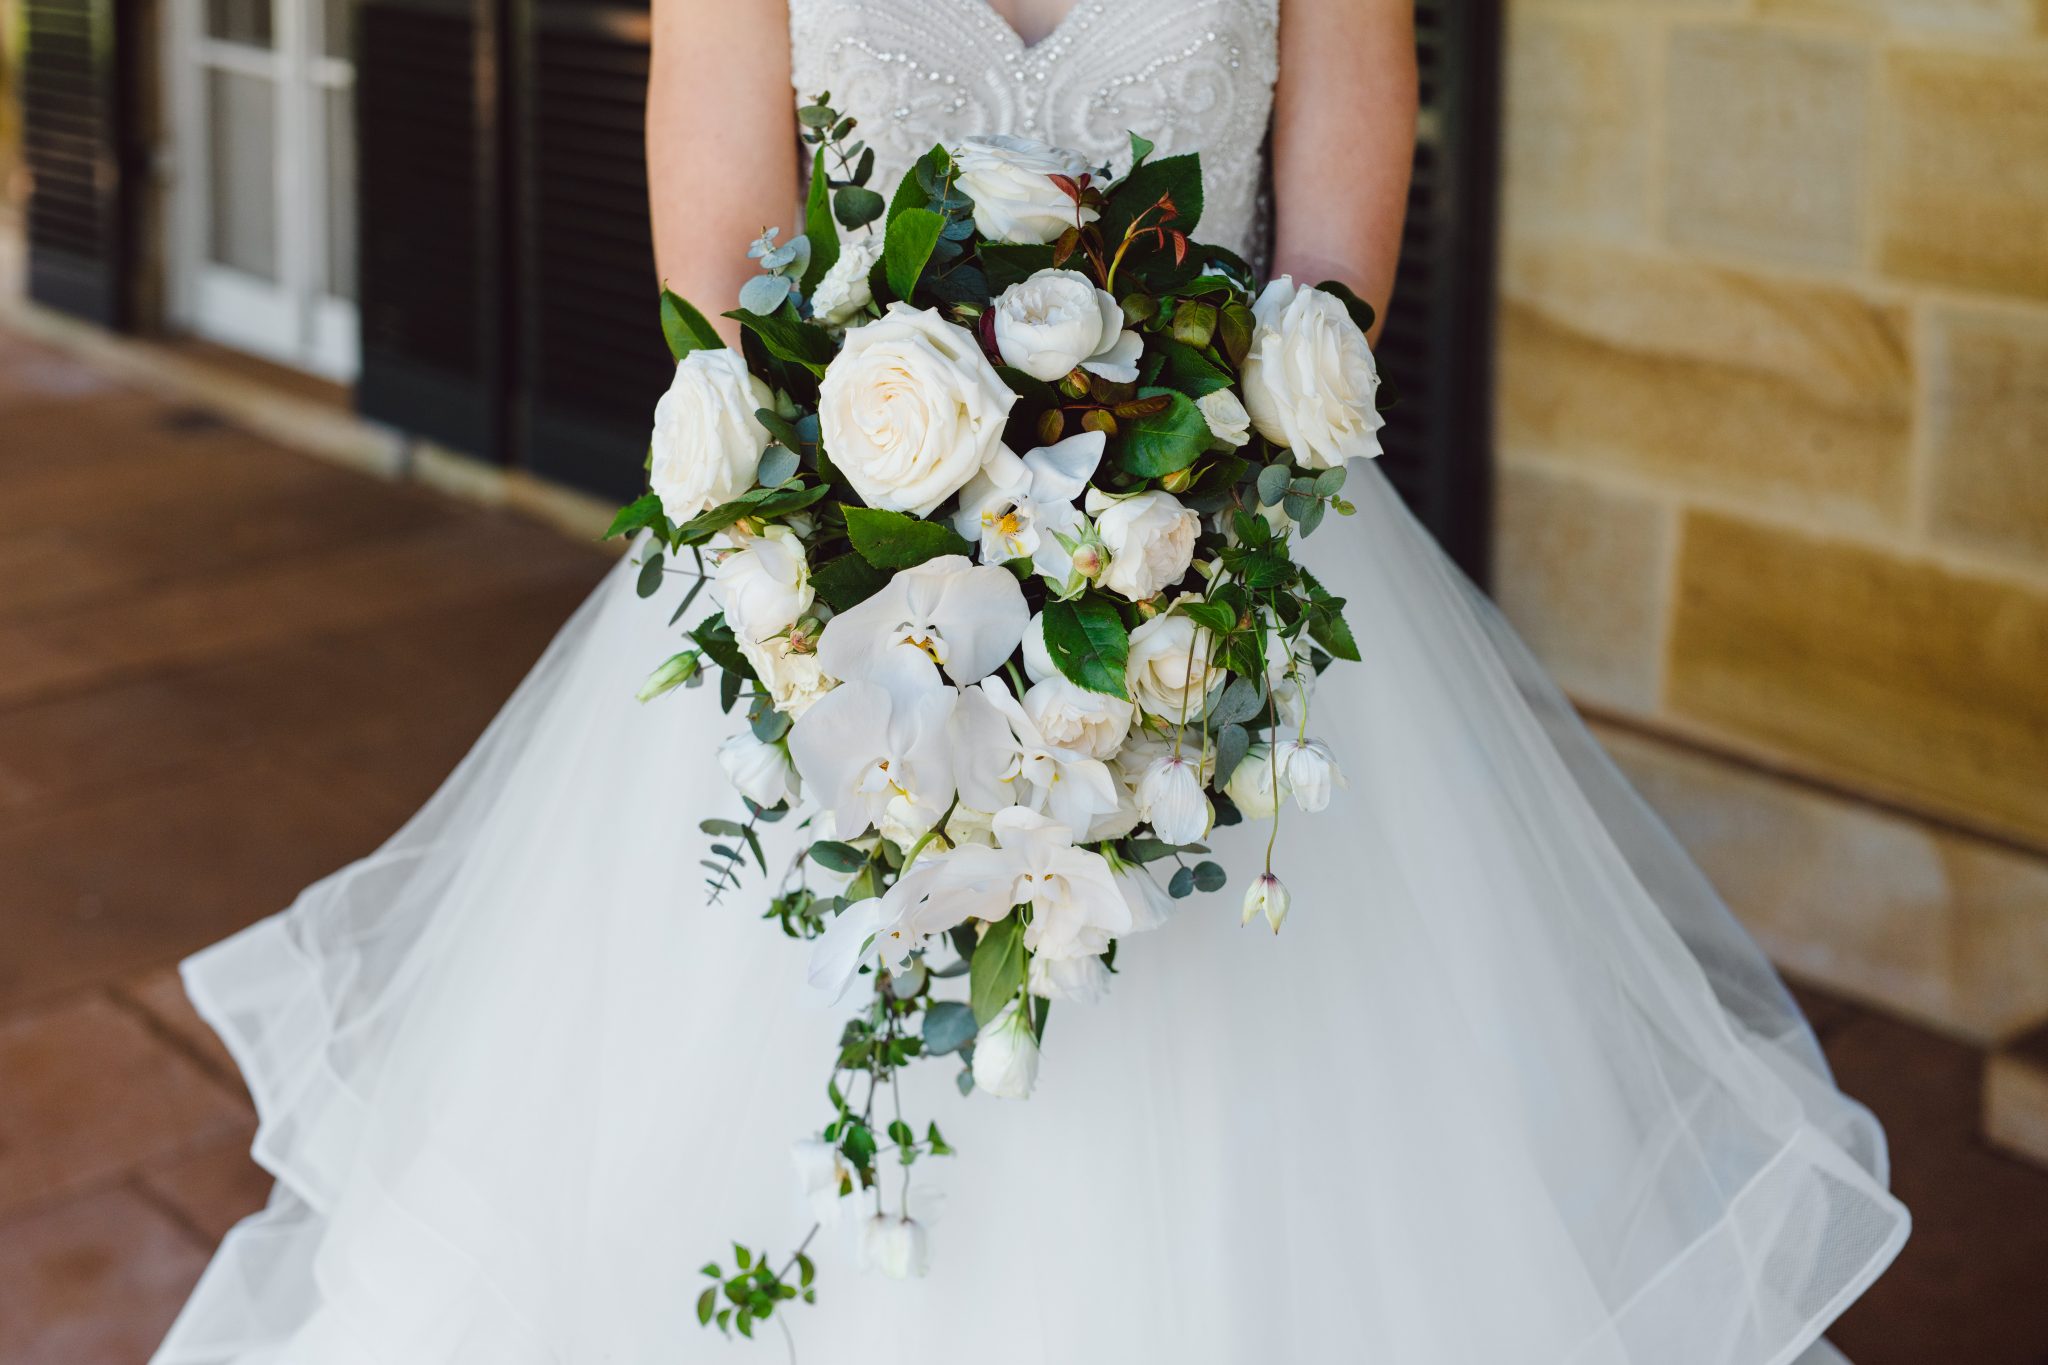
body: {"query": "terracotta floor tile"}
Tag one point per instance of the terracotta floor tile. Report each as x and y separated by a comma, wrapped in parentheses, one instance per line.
(93, 1282)
(160, 994)
(90, 1092)
(213, 1188)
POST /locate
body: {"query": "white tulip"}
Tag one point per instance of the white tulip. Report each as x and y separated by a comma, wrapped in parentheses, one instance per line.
(823, 1176)
(1228, 422)
(787, 665)
(1083, 980)
(897, 1247)
(911, 409)
(1014, 200)
(862, 746)
(1254, 787)
(1150, 538)
(1266, 896)
(1057, 319)
(707, 443)
(1020, 509)
(1170, 796)
(761, 772)
(1071, 717)
(843, 291)
(944, 614)
(1309, 770)
(1001, 757)
(1169, 673)
(763, 584)
(1310, 383)
(1006, 1056)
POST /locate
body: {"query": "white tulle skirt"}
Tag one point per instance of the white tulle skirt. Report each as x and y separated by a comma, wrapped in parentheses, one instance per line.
(1512, 1087)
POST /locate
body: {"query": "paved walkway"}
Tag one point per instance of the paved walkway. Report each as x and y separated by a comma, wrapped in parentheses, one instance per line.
(226, 669)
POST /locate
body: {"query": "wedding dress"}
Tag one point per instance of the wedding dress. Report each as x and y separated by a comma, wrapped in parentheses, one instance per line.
(1512, 1088)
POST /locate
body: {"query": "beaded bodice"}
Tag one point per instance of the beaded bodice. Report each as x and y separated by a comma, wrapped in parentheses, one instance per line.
(1191, 75)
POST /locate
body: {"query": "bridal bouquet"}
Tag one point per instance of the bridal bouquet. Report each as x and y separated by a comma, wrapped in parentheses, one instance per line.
(998, 505)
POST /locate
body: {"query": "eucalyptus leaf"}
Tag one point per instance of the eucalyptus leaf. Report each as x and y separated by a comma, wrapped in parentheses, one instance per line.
(948, 1027)
(1182, 884)
(834, 856)
(649, 582)
(778, 466)
(855, 206)
(1210, 876)
(1232, 743)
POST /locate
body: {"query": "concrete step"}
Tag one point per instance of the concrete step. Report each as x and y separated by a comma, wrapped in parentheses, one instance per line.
(2016, 1097)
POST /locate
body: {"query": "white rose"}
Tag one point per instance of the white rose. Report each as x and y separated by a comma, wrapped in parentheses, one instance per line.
(761, 772)
(1058, 319)
(1150, 538)
(763, 584)
(1014, 200)
(707, 442)
(1310, 381)
(842, 291)
(1069, 716)
(1006, 1056)
(1228, 422)
(1254, 787)
(1170, 796)
(910, 410)
(1169, 673)
(789, 669)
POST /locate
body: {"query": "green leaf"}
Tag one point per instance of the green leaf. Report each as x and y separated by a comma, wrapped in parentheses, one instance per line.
(685, 328)
(912, 235)
(1182, 884)
(806, 1272)
(634, 516)
(855, 206)
(847, 581)
(1210, 876)
(1232, 743)
(1242, 700)
(818, 224)
(1214, 617)
(1330, 482)
(788, 337)
(837, 857)
(948, 1027)
(998, 971)
(743, 1257)
(707, 1304)
(901, 1134)
(1327, 628)
(1006, 263)
(1179, 176)
(757, 502)
(1088, 643)
(778, 466)
(1360, 311)
(649, 582)
(717, 641)
(1190, 370)
(1166, 441)
(894, 540)
(1273, 483)
(1140, 149)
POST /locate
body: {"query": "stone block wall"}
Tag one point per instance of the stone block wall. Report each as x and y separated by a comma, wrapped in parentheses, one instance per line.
(1773, 495)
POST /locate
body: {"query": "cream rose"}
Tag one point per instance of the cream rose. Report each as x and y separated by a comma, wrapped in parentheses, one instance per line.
(1071, 717)
(910, 410)
(1310, 381)
(1228, 422)
(763, 584)
(759, 771)
(1014, 198)
(1057, 319)
(1150, 538)
(843, 289)
(789, 669)
(1169, 672)
(707, 442)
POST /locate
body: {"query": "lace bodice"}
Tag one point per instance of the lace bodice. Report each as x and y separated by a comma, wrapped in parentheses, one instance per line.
(1192, 75)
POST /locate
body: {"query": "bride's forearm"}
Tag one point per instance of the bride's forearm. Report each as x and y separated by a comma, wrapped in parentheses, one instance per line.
(721, 143)
(1343, 142)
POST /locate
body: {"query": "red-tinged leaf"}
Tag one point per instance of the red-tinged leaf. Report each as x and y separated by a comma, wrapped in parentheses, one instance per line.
(1064, 247)
(1180, 247)
(1167, 209)
(1067, 186)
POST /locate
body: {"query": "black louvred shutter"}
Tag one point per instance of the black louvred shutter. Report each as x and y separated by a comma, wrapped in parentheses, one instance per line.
(591, 362)
(72, 131)
(1437, 349)
(430, 225)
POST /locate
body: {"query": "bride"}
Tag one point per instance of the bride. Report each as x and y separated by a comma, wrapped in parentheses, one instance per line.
(1512, 1089)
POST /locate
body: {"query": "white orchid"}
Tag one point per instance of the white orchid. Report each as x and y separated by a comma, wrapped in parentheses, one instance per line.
(1025, 508)
(944, 614)
(862, 746)
(1003, 758)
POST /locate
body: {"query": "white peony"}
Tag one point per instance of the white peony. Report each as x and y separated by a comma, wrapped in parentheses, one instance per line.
(1072, 717)
(910, 410)
(788, 667)
(763, 584)
(1008, 178)
(1310, 383)
(1169, 673)
(822, 1175)
(1308, 770)
(1057, 319)
(761, 772)
(1267, 896)
(1170, 796)
(707, 442)
(1150, 538)
(1255, 787)
(1006, 1056)
(1020, 509)
(944, 614)
(842, 290)
(1228, 422)
(897, 1247)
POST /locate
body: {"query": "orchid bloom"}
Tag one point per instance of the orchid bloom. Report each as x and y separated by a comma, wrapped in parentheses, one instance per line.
(942, 615)
(864, 746)
(1021, 508)
(1003, 758)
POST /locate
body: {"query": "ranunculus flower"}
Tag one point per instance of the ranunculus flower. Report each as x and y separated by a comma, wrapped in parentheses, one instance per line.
(1006, 1056)
(843, 289)
(1074, 718)
(942, 614)
(1228, 422)
(760, 771)
(1266, 896)
(1151, 541)
(1254, 787)
(1170, 796)
(1309, 770)
(821, 1174)
(1014, 198)
(1169, 673)
(707, 442)
(788, 667)
(896, 1246)
(1310, 383)
(911, 409)
(1019, 509)
(763, 584)
(1083, 980)
(1057, 319)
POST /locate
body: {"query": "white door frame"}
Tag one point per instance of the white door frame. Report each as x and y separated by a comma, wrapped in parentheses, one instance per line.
(292, 319)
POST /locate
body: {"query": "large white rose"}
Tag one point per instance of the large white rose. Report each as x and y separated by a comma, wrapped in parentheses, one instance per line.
(1058, 319)
(1169, 672)
(843, 289)
(1014, 200)
(707, 442)
(1310, 383)
(1150, 538)
(910, 410)
(763, 584)
(1074, 718)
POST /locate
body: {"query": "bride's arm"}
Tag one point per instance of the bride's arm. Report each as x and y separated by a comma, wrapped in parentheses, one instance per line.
(721, 143)
(1343, 141)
